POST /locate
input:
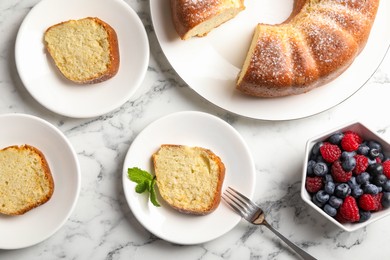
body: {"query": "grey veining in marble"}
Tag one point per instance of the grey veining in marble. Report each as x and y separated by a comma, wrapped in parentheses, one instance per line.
(102, 225)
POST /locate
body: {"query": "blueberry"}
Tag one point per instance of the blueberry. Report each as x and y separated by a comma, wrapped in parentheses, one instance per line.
(345, 155)
(320, 169)
(370, 189)
(379, 180)
(336, 138)
(329, 187)
(374, 145)
(335, 202)
(357, 192)
(373, 153)
(386, 186)
(349, 164)
(375, 169)
(316, 148)
(364, 216)
(328, 178)
(353, 182)
(322, 196)
(342, 190)
(363, 178)
(310, 165)
(319, 158)
(386, 199)
(316, 202)
(371, 161)
(330, 210)
(363, 149)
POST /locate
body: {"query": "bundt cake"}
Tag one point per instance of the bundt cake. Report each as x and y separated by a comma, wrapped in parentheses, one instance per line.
(317, 43)
(199, 17)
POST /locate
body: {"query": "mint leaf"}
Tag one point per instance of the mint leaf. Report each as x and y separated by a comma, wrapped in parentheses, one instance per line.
(145, 182)
(141, 187)
(137, 175)
(153, 197)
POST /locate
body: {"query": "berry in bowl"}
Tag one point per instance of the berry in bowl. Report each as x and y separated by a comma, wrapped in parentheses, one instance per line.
(346, 176)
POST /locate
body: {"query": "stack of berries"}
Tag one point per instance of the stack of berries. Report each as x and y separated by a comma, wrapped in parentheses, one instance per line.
(348, 177)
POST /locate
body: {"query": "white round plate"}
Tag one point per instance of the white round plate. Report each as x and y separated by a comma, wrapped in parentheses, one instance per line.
(44, 81)
(210, 65)
(192, 129)
(40, 223)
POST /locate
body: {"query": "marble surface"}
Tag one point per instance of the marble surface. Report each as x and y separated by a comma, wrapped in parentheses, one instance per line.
(102, 225)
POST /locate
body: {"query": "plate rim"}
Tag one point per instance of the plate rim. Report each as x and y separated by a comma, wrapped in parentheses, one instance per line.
(249, 193)
(136, 83)
(60, 224)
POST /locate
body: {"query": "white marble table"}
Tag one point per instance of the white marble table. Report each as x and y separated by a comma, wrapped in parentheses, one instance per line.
(102, 225)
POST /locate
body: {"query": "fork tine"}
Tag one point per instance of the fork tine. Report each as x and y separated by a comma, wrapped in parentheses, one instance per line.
(233, 205)
(242, 206)
(245, 207)
(241, 197)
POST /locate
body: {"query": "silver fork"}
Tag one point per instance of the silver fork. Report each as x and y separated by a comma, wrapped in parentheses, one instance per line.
(255, 215)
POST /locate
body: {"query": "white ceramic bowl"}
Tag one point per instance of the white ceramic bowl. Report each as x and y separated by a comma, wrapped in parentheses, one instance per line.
(367, 134)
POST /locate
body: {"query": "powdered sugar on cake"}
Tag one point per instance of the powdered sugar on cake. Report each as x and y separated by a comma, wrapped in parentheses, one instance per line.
(309, 50)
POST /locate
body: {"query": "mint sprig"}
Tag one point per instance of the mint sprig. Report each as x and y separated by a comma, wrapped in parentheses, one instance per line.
(145, 182)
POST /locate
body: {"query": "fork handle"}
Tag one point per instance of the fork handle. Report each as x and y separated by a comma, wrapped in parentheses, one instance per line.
(298, 250)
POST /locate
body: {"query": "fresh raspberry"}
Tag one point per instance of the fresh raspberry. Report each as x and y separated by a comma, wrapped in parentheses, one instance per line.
(338, 173)
(378, 160)
(330, 152)
(351, 141)
(340, 218)
(368, 202)
(386, 168)
(358, 138)
(349, 210)
(314, 184)
(378, 198)
(361, 164)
